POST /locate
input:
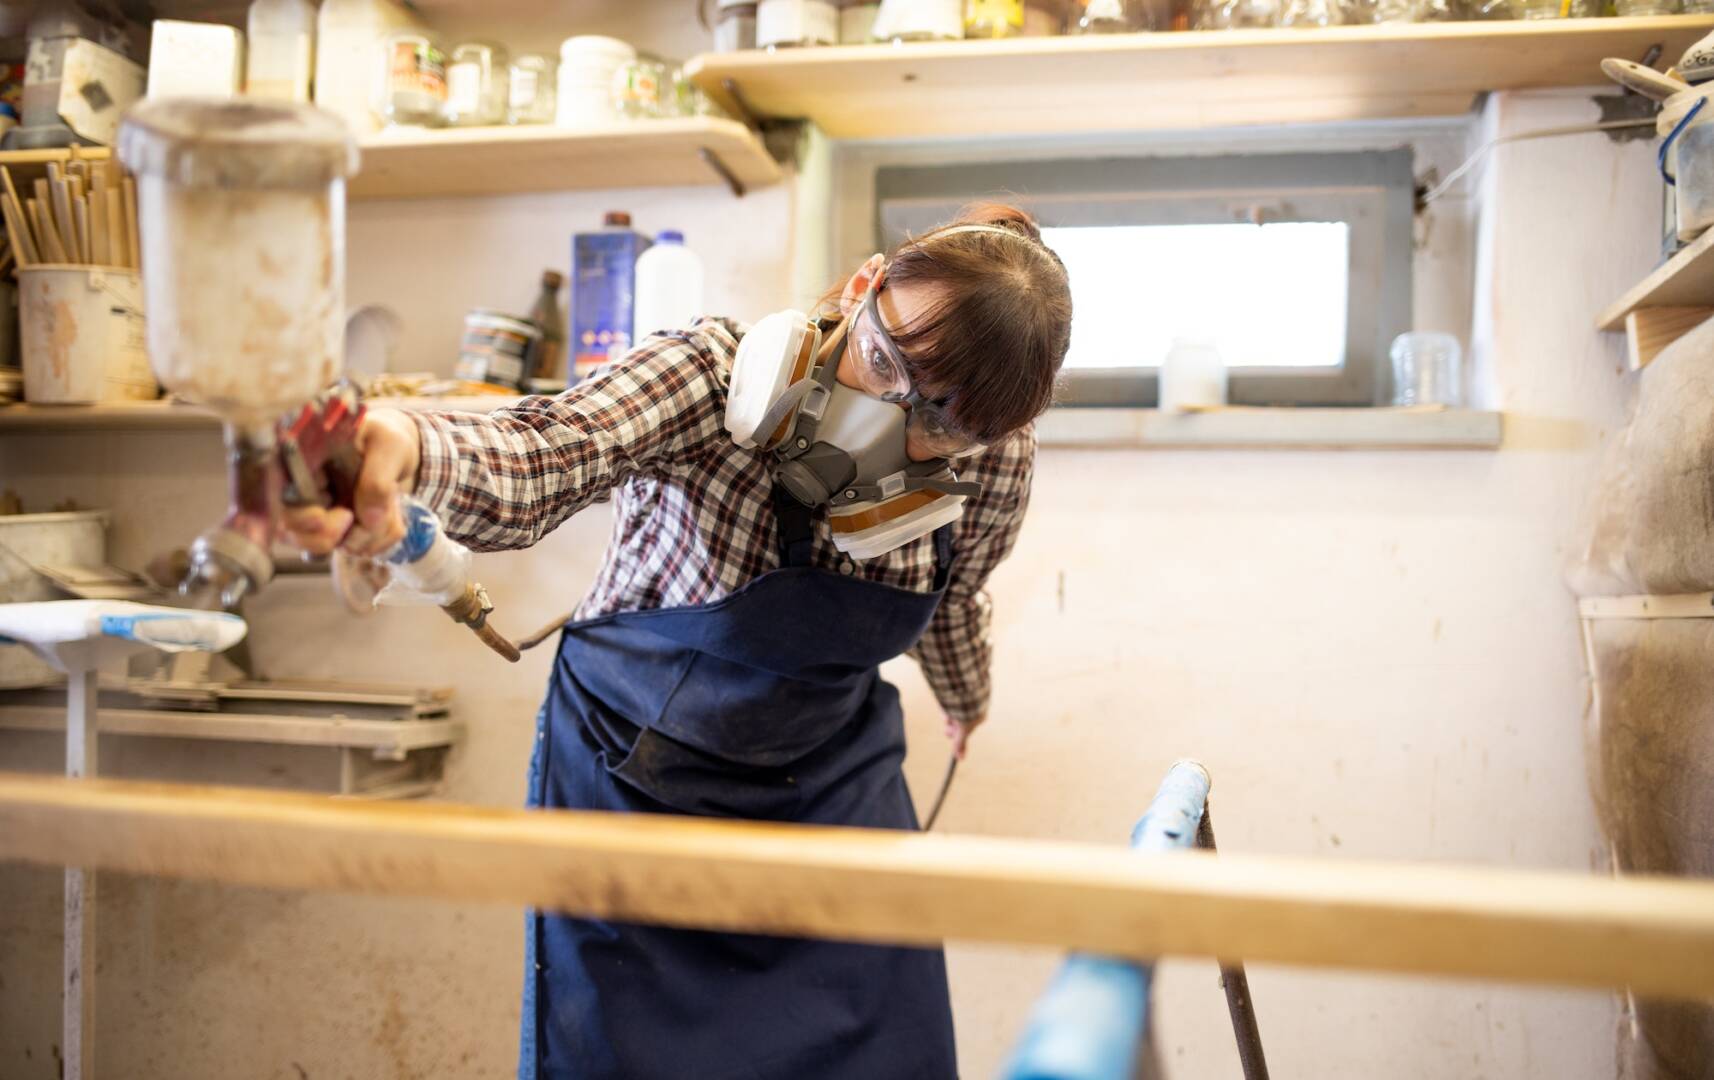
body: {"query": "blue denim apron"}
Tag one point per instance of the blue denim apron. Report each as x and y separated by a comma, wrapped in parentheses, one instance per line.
(766, 704)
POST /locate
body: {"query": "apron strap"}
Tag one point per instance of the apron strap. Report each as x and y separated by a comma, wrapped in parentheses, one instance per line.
(796, 525)
(942, 557)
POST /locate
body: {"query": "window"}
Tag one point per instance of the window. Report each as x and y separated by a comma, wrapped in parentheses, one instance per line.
(1297, 267)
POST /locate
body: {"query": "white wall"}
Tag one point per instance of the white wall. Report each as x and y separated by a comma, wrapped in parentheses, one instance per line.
(1371, 651)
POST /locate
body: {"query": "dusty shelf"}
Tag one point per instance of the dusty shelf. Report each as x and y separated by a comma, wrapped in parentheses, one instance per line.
(167, 415)
(1283, 428)
(1177, 80)
(418, 162)
(1676, 298)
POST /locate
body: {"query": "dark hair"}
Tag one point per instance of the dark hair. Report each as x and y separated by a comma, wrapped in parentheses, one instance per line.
(993, 338)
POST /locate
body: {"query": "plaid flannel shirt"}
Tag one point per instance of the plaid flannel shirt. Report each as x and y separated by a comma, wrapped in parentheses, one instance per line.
(694, 520)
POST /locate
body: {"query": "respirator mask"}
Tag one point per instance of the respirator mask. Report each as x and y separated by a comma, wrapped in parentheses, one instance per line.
(842, 448)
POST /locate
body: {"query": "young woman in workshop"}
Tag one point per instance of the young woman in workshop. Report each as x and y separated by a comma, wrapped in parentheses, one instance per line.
(782, 528)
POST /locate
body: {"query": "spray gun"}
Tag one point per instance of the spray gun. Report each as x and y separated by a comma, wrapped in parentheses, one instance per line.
(243, 256)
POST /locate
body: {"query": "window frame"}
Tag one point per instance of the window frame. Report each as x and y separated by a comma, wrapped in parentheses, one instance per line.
(1372, 191)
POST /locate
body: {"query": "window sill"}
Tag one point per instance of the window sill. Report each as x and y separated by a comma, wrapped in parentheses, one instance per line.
(1272, 429)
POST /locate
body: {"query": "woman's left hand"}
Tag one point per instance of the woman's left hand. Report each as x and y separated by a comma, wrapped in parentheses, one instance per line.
(958, 733)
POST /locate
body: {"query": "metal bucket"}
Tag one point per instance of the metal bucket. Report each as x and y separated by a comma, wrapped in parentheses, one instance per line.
(82, 339)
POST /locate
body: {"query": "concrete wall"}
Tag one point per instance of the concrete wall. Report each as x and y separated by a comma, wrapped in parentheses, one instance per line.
(1372, 652)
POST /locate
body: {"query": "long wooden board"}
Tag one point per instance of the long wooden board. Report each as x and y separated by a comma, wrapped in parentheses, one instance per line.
(1654, 935)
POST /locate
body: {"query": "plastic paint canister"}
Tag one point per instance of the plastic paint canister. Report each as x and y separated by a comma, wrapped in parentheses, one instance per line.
(82, 335)
(496, 347)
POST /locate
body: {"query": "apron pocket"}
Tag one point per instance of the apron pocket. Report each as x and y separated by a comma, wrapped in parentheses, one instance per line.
(692, 781)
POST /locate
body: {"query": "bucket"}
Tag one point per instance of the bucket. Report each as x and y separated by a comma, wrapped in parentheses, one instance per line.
(78, 538)
(82, 335)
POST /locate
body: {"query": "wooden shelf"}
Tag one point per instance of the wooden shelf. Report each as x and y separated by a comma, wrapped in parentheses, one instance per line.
(168, 416)
(420, 163)
(1200, 79)
(1675, 299)
(1265, 429)
(507, 160)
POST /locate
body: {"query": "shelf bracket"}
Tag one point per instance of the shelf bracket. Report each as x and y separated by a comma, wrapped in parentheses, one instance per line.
(712, 160)
(741, 110)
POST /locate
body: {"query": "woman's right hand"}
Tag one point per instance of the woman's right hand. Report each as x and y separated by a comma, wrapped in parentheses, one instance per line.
(391, 449)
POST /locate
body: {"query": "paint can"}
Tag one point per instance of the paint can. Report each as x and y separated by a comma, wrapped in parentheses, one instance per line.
(82, 335)
(497, 348)
(73, 538)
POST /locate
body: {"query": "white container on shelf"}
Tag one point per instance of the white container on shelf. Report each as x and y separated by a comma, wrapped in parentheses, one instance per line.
(669, 286)
(191, 59)
(1192, 376)
(348, 35)
(788, 23)
(587, 66)
(281, 56)
(82, 335)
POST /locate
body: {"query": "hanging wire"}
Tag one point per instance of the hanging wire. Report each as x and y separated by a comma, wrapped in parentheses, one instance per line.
(1457, 174)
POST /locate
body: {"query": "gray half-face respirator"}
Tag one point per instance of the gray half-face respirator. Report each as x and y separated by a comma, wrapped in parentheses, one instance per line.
(834, 446)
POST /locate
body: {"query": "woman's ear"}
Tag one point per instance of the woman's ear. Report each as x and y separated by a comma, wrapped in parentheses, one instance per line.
(866, 275)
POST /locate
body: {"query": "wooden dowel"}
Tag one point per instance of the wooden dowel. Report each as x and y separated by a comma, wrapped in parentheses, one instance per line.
(128, 190)
(81, 213)
(98, 244)
(1654, 935)
(117, 255)
(52, 250)
(18, 233)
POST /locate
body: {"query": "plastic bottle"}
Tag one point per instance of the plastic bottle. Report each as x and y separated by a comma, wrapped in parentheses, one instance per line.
(1192, 376)
(280, 50)
(669, 286)
(348, 33)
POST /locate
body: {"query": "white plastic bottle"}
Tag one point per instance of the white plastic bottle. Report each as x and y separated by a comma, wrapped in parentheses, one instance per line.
(348, 39)
(1192, 376)
(280, 52)
(669, 286)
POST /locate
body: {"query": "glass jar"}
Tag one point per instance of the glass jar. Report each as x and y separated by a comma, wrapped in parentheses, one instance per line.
(476, 85)
(1241, 14)
(412, 87)
(792, 23)
(638, 89)
(1112, 17)
(1428, 369)
(857, 21)
(993, 18)
(920, 20)
(1628, 8)
(1046, 19)
(530, 90)
(1312, 13)
(734, 25)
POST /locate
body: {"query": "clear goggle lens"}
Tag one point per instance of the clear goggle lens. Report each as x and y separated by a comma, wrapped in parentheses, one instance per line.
(878, 370)
(928, 427)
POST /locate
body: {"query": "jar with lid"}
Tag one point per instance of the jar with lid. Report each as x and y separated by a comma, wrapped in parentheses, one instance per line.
(857, 21)
(412, 85)
(734, 25)
(638, 89)
(1112, 17)
(920, 20)
(476, 85)
(791, 23)
(530, 90)
(993, 18)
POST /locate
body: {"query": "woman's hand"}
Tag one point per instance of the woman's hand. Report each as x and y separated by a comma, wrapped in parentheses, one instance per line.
(958, 733)
(391, 450)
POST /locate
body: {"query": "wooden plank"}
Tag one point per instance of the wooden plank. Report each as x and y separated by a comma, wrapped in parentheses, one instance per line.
(1649, 330)
(1284, 428)
(390, 738)
(1685, 280)
(1654, 935)
(170, 415)
(1683, 606)
(416, 163)
(1129, 82)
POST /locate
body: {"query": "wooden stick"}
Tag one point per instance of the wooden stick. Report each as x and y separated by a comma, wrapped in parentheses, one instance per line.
(52, 250)
(1653, 934)
(117, 255)
(98, 235)
(62, 210)
(128, 190)
(81, 213)
(18, 232)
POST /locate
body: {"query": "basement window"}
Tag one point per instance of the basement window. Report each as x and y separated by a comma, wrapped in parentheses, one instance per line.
(1297, 266)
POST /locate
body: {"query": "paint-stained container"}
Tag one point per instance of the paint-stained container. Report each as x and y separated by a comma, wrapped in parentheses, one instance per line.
(496, 348)
(82, 336)
(242, 205)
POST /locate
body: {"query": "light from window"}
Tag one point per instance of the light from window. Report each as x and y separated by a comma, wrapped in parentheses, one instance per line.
(1268, 296)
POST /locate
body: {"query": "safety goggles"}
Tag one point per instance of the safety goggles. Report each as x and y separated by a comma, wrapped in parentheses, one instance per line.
(881, 372)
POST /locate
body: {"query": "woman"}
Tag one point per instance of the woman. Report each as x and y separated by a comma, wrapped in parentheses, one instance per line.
(725, 660)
